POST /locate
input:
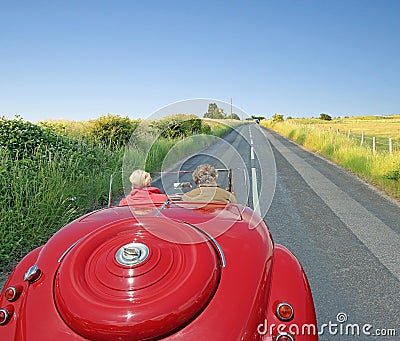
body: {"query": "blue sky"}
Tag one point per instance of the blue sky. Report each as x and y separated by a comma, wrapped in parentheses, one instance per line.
(80, 59)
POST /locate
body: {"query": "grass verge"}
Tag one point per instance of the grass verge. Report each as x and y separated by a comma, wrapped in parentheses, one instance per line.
(381, 169)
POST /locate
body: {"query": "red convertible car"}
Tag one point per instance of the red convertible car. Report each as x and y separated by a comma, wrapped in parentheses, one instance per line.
(170, 270)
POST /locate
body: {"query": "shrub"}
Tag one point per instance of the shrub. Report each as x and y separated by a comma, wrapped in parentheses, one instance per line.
(19, 138)
(233, 116)
(112, 129)
(183, 129)
(394, 174)
(325, 117)
(179, 126)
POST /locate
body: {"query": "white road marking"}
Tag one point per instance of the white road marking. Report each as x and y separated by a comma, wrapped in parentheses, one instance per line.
(379, 238)
(251, 136)
(256, 201)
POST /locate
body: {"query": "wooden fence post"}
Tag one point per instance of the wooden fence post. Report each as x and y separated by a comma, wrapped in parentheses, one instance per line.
(374, 144)
(390, 146)
(362, 138)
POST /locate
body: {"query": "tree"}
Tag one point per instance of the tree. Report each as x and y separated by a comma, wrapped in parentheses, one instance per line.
(260, 118)
(233, 116)
(325, 117)
(214, 112)
(277, 117)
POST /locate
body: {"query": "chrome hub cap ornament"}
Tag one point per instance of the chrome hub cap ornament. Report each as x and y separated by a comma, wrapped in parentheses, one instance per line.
(132, 254)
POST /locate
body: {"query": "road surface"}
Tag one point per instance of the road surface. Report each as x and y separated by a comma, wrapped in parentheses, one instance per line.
(346, 236)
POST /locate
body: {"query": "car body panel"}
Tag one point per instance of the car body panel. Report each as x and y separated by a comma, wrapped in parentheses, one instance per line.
(83, 294)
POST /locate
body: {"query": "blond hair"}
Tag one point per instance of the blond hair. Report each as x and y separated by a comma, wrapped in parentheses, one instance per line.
(139, 178)
(204, 174)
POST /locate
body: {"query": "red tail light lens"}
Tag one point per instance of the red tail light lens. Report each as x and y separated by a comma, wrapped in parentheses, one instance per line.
(284, 311)
(5, 315)
(284, 337)
(12, 293)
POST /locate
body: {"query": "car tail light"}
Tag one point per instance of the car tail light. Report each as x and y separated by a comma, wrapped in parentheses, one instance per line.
(12, 293)
(284, 311)
(284, 337)
(5, 315)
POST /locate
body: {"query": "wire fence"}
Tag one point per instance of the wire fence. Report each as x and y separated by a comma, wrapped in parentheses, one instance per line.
(374, 143)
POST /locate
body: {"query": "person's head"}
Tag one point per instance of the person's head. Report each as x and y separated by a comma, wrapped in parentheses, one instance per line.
(139, 178)
(205, 174)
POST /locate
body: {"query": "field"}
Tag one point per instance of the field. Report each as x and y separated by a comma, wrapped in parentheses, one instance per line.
(55, 171)
(349, 142)
(379, 126)
(363, 128)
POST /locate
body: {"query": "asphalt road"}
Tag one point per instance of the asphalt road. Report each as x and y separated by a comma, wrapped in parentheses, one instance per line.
(345, 233)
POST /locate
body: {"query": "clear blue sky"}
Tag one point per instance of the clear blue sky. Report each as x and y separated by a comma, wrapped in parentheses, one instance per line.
(79, 59)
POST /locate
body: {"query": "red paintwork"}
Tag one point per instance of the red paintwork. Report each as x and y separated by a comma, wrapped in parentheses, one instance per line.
(108, 296)
(286, 286)
(180, 292)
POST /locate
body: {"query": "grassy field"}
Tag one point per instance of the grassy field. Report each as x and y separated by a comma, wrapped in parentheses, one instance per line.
(379, 126)
(333, 140)
(54, 172)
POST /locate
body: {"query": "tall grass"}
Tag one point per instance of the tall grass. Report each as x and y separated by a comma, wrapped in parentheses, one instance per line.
(222, 127)
(41, 193)
(381, 169)
(43, 190)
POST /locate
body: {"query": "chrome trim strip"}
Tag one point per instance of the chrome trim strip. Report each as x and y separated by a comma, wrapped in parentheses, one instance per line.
(68, 250)
(209, 236)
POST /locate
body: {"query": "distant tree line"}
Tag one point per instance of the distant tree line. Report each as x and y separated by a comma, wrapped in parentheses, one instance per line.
(279, 117)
